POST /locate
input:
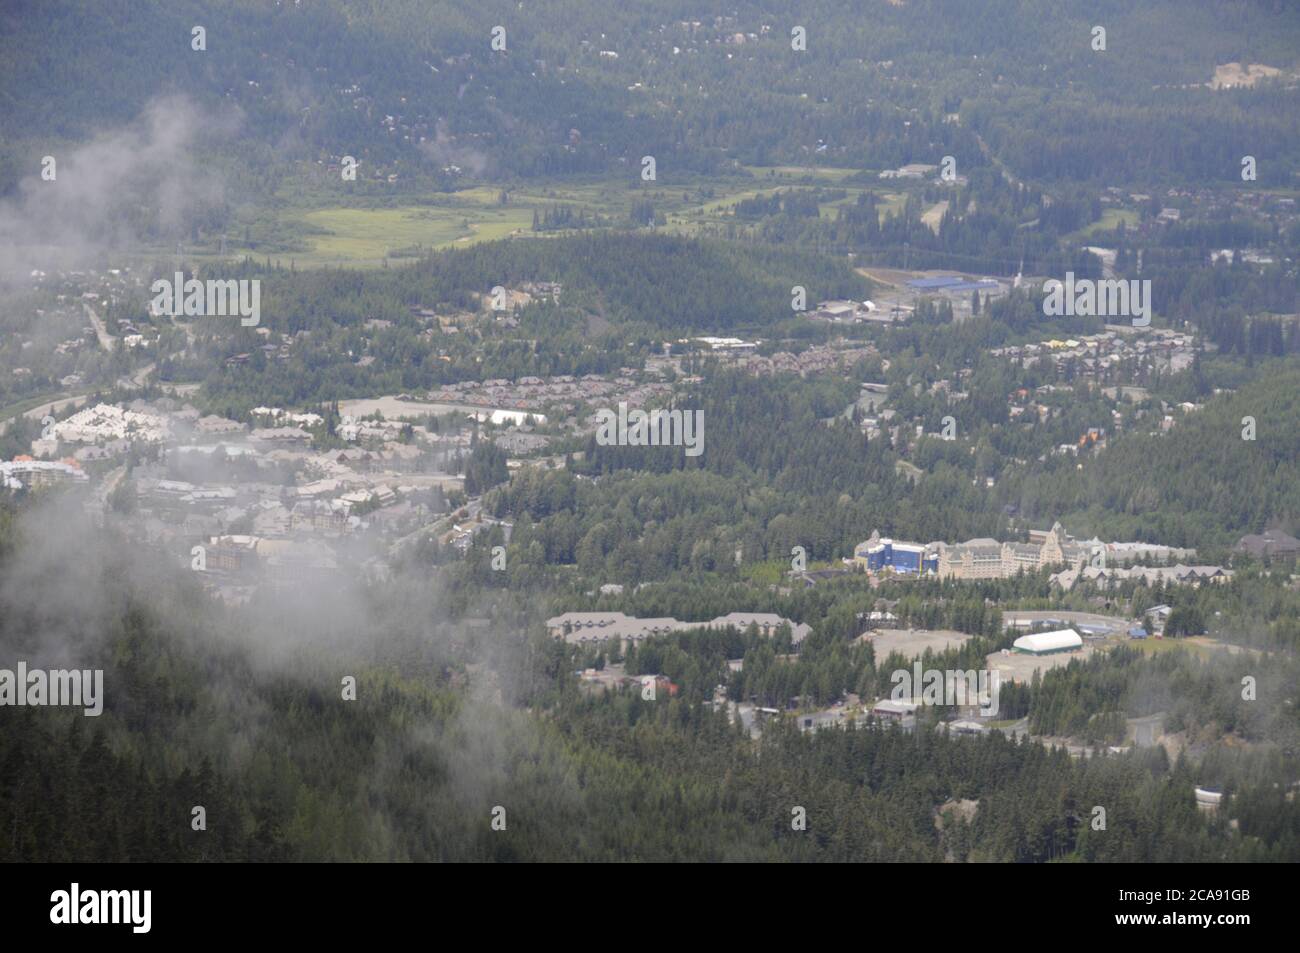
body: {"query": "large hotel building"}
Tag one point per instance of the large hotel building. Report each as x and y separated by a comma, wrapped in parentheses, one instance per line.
(975, 558)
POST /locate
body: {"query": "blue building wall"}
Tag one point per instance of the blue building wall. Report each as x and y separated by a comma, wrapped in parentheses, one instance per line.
(907, 561)
(889, 556)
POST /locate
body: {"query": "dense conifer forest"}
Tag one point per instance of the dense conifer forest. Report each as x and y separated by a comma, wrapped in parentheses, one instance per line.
(324, 558)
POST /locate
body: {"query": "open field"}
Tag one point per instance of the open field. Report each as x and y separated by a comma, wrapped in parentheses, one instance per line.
(1154, 646)
(934, 215)
(913, 643)
(311, 231)
(1231, 75)
(890, 277)
(1018, 667)
(1201, 645)
(1110, 219)
(800, 173)
(367, 236)
(1026, 620)
(394, 408)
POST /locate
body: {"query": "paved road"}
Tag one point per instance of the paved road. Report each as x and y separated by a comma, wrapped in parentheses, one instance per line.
(101, 332)
(51, 407)
(74, 401)
(138, 378)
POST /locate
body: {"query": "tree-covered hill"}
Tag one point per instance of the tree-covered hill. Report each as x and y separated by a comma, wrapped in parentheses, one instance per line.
(420, 764)
(416, 87)
(1201, 484)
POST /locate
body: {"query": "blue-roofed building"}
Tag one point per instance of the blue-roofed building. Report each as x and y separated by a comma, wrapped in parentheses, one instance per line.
(983, 284)
(935, 284)
(953, 284)
(880, 555)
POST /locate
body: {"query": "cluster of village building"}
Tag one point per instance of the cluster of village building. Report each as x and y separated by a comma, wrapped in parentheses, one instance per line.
(817, 359)
(231, 497)
(621, 631)
(1094, 356)
(528, 396)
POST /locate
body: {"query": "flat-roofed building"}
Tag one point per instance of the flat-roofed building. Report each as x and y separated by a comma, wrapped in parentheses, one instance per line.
(962, 727)
(235, 553)
(1208, 799)
(39, 474)
(889, 710)
(879, 554)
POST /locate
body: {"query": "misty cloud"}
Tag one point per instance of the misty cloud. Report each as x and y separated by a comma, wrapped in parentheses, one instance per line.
(138, 183)
(445, 150)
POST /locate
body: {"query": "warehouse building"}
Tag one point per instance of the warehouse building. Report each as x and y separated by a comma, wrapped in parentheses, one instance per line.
(887, 709)
(1048, 643)
(953, 284)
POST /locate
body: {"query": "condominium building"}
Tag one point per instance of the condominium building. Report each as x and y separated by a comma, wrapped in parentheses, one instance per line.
(23, 471)
(601, 627)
